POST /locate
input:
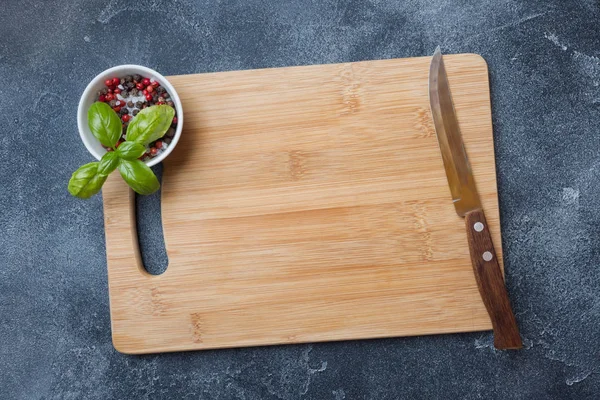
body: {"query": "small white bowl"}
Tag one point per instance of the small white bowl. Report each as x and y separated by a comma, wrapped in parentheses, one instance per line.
(89, 97)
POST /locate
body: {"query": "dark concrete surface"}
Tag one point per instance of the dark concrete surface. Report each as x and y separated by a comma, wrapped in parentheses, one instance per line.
(545, 78)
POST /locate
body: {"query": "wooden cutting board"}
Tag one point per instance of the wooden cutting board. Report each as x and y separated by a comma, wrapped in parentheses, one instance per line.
(306, 204)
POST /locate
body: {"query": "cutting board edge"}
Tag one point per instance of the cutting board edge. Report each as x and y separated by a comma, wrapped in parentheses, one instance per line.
(450, 57)
(122, 347)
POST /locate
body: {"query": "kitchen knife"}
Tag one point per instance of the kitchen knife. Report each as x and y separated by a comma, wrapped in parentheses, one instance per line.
(468, 205)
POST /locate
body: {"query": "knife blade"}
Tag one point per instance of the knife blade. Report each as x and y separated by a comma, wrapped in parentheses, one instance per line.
(467, 204)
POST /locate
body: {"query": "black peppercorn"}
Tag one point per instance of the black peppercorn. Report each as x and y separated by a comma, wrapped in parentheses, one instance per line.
(130, 103)
(171, 132)
(168, 140)
(135, 112)
(122, 81)
(124, 93)
(124, 111)
(134, 92)
(128, 78)
(112, 103)
(129, 85)
(137, 77)
(139, 104)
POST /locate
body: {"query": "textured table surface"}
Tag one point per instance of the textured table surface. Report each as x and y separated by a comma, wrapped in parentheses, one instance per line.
(545, 83)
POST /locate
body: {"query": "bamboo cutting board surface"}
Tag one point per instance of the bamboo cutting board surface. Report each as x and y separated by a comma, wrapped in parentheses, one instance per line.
(306, 204)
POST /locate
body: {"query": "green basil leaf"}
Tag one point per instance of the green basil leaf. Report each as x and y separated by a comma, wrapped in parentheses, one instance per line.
(150, 124)
(138, 176)
(104, 123)
(86, 182)
(130, 150)
(109, 163)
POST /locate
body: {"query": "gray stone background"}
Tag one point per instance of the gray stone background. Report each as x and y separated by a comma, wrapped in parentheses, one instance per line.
(545, 74)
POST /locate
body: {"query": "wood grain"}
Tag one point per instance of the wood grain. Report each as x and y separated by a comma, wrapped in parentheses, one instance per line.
(306, 204)
(490, 282)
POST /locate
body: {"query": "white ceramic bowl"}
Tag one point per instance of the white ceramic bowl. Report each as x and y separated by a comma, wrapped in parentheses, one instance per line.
(89, 97)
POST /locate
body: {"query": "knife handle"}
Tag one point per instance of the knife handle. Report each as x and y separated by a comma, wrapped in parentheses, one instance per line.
(491, 283)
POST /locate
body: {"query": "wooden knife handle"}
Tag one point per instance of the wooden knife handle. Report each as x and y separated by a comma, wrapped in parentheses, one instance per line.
(491, 283)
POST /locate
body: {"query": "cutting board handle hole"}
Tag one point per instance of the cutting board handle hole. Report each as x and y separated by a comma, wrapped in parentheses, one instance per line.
(150, 231)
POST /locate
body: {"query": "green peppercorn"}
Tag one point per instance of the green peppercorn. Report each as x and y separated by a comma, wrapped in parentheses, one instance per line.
(124, 93)
(112, 103)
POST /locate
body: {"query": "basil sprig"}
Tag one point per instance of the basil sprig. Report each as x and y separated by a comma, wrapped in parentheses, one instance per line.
(149, 125)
